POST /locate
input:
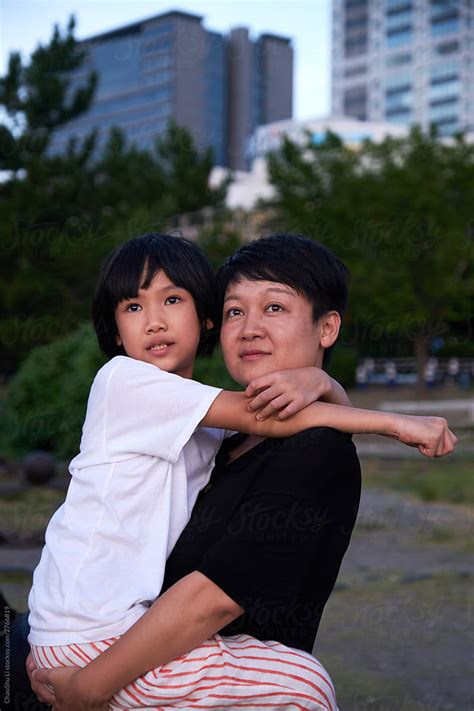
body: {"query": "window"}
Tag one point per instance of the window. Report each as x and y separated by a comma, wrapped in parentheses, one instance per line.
(398, 37)
(397, 82)
(351, 4)
(156, 45)
(445, 90)
(445, 27)
(355, 47)
(398, 102)
(355, 71)
(444, 111)
(395, 5)
(400, 20)
(447, 126)
(357, 22)
(161, 29)
(355, 102)
(404, 116)
(445, 71)
(447, 48)
(397, 60)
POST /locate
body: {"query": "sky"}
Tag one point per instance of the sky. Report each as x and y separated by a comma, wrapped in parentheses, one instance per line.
(25, 23)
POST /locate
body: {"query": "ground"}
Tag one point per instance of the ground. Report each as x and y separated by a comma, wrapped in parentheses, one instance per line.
(395, 633)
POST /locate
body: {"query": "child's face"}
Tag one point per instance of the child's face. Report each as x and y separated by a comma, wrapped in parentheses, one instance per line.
(160, 326)
(267, 327)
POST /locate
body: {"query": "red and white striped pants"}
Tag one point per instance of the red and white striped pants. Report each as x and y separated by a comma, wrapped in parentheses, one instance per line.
(238, 672)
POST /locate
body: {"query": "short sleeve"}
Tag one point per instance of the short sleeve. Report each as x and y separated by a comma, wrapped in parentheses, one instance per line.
(149, 411)
(297, 519)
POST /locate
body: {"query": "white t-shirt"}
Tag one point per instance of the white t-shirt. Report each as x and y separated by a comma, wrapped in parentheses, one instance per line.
(141, 465)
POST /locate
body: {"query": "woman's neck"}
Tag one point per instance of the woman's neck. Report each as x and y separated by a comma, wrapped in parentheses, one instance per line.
(249, 443)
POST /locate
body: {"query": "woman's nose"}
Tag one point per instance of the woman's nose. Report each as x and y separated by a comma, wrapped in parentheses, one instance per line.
(252, 328)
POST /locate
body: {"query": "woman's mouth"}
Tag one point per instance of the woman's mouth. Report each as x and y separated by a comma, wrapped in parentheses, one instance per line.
(252, 354)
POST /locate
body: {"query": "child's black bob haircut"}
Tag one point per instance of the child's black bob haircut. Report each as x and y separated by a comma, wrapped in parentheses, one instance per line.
(122, 275)
(298, 261)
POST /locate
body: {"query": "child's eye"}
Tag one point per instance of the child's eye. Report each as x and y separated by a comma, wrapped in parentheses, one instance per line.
(232, 312)
(274, 308)
(133, 307)
(172, 300)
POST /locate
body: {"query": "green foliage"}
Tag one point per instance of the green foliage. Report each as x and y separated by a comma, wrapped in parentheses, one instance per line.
(434, 480)
(400, 214)
(219, 241)
(212, 371)
(45, 402)
(343, 364)
(62, 214)
(38, 97)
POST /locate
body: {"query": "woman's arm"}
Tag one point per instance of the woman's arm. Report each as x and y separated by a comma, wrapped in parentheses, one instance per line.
(430, 434)
(182, 618)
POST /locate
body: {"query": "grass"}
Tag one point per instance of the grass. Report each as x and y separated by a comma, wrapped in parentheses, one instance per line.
(29, 511)
(15, 586)
(390, 646)
(448, 480)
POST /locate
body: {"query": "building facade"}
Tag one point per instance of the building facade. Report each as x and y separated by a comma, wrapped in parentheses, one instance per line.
(405, 61)
(170, 67)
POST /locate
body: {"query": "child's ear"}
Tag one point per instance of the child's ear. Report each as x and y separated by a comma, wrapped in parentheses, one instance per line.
(118, 340)
(209, 324)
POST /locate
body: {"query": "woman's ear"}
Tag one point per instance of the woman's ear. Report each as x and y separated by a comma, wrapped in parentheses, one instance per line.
(330, 327)
(118, 340)
(209, 324)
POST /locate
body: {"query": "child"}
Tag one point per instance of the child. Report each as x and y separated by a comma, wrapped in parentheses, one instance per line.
(143, 458)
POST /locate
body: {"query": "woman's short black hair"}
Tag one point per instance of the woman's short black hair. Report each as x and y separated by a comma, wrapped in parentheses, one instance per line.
(121, 277)
(307, 266)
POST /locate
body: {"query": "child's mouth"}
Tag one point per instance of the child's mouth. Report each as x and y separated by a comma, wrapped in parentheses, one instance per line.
(159, 349)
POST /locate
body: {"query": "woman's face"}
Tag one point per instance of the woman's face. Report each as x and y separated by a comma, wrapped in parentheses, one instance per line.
(266, 327)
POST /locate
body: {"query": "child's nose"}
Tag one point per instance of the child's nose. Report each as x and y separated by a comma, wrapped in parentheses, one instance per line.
(155, 323)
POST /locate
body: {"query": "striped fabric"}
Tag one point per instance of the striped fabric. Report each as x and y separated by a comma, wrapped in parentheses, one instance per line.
(238, 672)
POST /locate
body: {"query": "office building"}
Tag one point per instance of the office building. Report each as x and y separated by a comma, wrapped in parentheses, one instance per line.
(405, 61)
(169, 67)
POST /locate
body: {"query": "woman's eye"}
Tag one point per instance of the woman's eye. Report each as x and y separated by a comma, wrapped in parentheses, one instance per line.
(133, 307)
(232, 312)
(172, 300)
(274, 308)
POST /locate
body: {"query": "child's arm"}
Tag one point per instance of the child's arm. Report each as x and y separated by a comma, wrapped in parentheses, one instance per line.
(430, 434)
(287, 391)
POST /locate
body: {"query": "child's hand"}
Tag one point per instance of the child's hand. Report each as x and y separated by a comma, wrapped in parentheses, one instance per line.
(287, 391)
(431, 435)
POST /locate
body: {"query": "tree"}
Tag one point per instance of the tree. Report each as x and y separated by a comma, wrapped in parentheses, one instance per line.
(38, 97)
(62, 213)
(400, 214)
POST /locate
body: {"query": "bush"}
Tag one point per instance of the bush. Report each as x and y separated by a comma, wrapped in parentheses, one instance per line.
(343, 365)
(45, 402)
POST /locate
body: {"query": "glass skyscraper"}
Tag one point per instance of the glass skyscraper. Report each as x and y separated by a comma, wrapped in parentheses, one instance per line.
(405, 61)
(171, 67)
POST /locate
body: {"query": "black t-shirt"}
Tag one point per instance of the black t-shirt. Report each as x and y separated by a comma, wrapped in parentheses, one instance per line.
(271, 529)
